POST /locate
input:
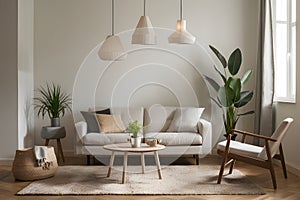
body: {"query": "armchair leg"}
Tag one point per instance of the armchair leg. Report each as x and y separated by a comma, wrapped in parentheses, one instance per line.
(224, 159)
(273, 176)
(231, 166)
(270, 163)
(282, 161)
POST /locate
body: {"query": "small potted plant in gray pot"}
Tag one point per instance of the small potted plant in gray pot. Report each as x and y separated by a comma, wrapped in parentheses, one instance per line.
(134, 129)
(52, 101)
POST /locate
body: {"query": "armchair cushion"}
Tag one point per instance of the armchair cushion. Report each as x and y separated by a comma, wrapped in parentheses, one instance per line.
(241, 148)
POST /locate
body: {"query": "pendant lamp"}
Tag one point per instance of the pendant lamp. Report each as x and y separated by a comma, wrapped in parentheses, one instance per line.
(144, 33)
(112, 48)
(181, 35)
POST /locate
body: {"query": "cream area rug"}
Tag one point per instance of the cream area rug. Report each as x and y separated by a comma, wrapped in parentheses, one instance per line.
(176, 180)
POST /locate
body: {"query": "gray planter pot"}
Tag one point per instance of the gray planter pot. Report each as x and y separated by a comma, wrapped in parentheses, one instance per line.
(55, 122)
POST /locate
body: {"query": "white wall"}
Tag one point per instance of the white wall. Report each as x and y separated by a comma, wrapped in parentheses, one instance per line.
(291, 141)
(66, 31)
(8, 79)
(25, 73)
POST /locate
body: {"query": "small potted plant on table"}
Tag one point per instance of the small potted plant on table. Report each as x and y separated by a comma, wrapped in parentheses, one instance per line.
(134, 129)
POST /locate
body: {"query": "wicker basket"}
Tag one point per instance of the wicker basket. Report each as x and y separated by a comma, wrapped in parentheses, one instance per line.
(25, 166)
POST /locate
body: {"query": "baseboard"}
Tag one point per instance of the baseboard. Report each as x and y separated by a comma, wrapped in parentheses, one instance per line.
(292, 169)
(6, 161)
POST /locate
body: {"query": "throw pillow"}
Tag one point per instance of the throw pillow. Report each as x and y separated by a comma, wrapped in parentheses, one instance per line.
(186, 120)
(92, 123)
(105, 111)
(111, 123)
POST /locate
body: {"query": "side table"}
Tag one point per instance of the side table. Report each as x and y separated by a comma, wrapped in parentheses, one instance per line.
(49, 132)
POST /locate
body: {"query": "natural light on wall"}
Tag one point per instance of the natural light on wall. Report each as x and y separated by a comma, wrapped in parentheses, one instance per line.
(284, 12)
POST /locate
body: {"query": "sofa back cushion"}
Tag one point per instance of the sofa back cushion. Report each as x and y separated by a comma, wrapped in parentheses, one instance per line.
(128, 114)
(158, 118)
(186, 120)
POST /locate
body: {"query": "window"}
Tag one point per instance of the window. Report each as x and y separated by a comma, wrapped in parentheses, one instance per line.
(284, 13)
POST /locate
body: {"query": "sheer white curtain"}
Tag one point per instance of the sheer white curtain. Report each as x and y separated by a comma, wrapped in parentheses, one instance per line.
(264, 106)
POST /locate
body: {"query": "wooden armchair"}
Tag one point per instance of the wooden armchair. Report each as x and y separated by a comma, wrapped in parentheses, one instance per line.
(255, 155)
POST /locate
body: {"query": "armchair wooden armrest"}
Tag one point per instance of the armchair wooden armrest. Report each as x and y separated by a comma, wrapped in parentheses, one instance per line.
(245, 133)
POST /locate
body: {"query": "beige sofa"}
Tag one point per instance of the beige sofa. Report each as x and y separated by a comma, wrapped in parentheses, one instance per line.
(157, 121)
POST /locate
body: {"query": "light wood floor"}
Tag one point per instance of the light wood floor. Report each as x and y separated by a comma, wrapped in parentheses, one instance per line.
(288, 189)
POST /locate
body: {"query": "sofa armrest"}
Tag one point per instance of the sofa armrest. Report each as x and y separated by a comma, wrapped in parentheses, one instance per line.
(81, 129)
(205, 130)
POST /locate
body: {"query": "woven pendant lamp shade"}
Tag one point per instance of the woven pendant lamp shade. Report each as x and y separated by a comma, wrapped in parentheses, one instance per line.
(181, 35)
(112, 49)
(144, 32)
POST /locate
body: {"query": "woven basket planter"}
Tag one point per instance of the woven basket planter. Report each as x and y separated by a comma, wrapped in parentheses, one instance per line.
(25, 167)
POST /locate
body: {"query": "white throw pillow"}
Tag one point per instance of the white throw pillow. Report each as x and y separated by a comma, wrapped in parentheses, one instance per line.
(186, 120)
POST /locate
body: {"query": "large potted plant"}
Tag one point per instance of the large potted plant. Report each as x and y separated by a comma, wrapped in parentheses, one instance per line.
(230, 96)
(134, 129)
(52, 101)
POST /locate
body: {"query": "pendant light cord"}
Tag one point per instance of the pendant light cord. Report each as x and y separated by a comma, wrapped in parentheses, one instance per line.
(181, 14)
(113, 17)
(144, 7)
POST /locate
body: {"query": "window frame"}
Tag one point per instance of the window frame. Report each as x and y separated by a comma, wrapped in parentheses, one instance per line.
(290, 97)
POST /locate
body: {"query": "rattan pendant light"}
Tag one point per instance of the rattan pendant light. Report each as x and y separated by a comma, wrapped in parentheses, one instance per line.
(112, 48)
(181, 35)
(144, 33)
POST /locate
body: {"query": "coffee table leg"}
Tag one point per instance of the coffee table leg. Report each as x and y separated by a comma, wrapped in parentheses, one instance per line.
(111, 163)
(143, 162)
(157, 164)
(124, 167)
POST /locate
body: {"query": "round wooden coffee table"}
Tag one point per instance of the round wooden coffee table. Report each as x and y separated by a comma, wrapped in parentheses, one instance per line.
(126, 148)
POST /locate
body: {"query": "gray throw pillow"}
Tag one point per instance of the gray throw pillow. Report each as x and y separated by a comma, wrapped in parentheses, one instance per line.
(92, 123)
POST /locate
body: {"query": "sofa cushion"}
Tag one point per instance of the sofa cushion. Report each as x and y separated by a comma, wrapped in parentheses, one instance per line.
(158, 118)
(103, 139)
(110, 123)
(92, 123)
(129, 114)
(186, 120)
(176, 138)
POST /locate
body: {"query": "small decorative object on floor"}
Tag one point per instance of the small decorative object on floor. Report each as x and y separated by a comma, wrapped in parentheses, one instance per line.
(135, 129)
(25, 165)
(41, 153)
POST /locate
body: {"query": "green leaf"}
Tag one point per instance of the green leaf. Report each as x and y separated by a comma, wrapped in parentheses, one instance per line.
(219, 56)
(213, 83)
(246, 76)
(235, 61)
(246, 96)
(226, 96)
(247, 113)
(235, 85)
(222, 76)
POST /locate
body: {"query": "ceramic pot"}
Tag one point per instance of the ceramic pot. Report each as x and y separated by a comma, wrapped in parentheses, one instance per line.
(136, 142)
